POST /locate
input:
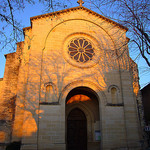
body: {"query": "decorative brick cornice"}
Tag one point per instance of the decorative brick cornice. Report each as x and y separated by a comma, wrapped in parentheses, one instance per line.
(26, 28)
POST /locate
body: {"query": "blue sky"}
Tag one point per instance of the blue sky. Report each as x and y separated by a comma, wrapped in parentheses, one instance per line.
(37, 9)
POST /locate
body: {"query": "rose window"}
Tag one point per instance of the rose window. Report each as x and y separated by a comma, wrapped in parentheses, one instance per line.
(80, 50)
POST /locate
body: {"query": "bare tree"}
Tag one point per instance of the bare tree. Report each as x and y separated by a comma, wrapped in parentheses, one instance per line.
(134, 15)
(11, 28)
(9, 22)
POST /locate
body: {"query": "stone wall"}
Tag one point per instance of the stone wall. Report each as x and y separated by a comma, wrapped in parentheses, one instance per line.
(42, 60)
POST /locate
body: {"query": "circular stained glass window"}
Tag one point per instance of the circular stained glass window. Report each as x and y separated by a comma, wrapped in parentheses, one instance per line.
(81, 50)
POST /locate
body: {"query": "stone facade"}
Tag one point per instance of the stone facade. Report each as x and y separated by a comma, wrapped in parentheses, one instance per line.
(74, 58)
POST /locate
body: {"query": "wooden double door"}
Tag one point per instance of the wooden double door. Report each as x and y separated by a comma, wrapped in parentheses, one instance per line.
(76, 130)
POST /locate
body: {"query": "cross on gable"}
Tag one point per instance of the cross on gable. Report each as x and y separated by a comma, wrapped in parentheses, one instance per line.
(80, 2)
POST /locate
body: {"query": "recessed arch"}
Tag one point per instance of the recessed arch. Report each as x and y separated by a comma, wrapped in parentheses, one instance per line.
(90, 107)
(83, 83)
(73, 20)
(113, 86)
(89, 114)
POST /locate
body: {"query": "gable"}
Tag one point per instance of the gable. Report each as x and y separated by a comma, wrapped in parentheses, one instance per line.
(51, 33)
(50, 21)
(75, 9)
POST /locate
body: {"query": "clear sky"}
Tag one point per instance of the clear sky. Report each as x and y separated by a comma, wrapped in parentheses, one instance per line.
(37, 9)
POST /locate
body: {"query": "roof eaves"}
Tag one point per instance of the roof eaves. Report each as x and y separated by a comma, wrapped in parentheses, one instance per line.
(56, 12)
(107, 19)
(75, 8)
(9, 54)
(26, 28)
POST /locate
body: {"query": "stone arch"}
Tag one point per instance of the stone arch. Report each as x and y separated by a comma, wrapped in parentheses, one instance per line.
(94, 118)
(114, 95)
(98, 91)
(114, 86)
(101, 36)
(43, 91)
(65, 21)
(87, 112)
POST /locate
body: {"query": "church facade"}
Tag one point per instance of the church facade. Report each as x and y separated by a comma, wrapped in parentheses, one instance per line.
(70, 86)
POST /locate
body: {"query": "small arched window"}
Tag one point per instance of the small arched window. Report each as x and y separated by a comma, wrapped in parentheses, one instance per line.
(114, 96)
(49, 93)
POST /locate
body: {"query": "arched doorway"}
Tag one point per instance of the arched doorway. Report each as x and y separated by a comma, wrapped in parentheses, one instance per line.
(76, 130)
(82, 119)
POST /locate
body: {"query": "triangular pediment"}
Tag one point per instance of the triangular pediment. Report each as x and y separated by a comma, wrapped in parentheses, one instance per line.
(74, 9)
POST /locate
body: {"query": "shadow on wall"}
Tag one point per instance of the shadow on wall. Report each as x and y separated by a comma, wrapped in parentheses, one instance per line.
(54, 69)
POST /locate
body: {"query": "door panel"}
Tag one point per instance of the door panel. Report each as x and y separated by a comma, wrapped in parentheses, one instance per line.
(76, 130)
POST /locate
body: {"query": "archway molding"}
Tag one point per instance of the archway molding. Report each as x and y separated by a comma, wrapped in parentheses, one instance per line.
(76, 19)
(101, 97)
(89, 115)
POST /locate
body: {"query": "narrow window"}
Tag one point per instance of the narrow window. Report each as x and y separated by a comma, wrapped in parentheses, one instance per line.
(114, 95)
(49, 93)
